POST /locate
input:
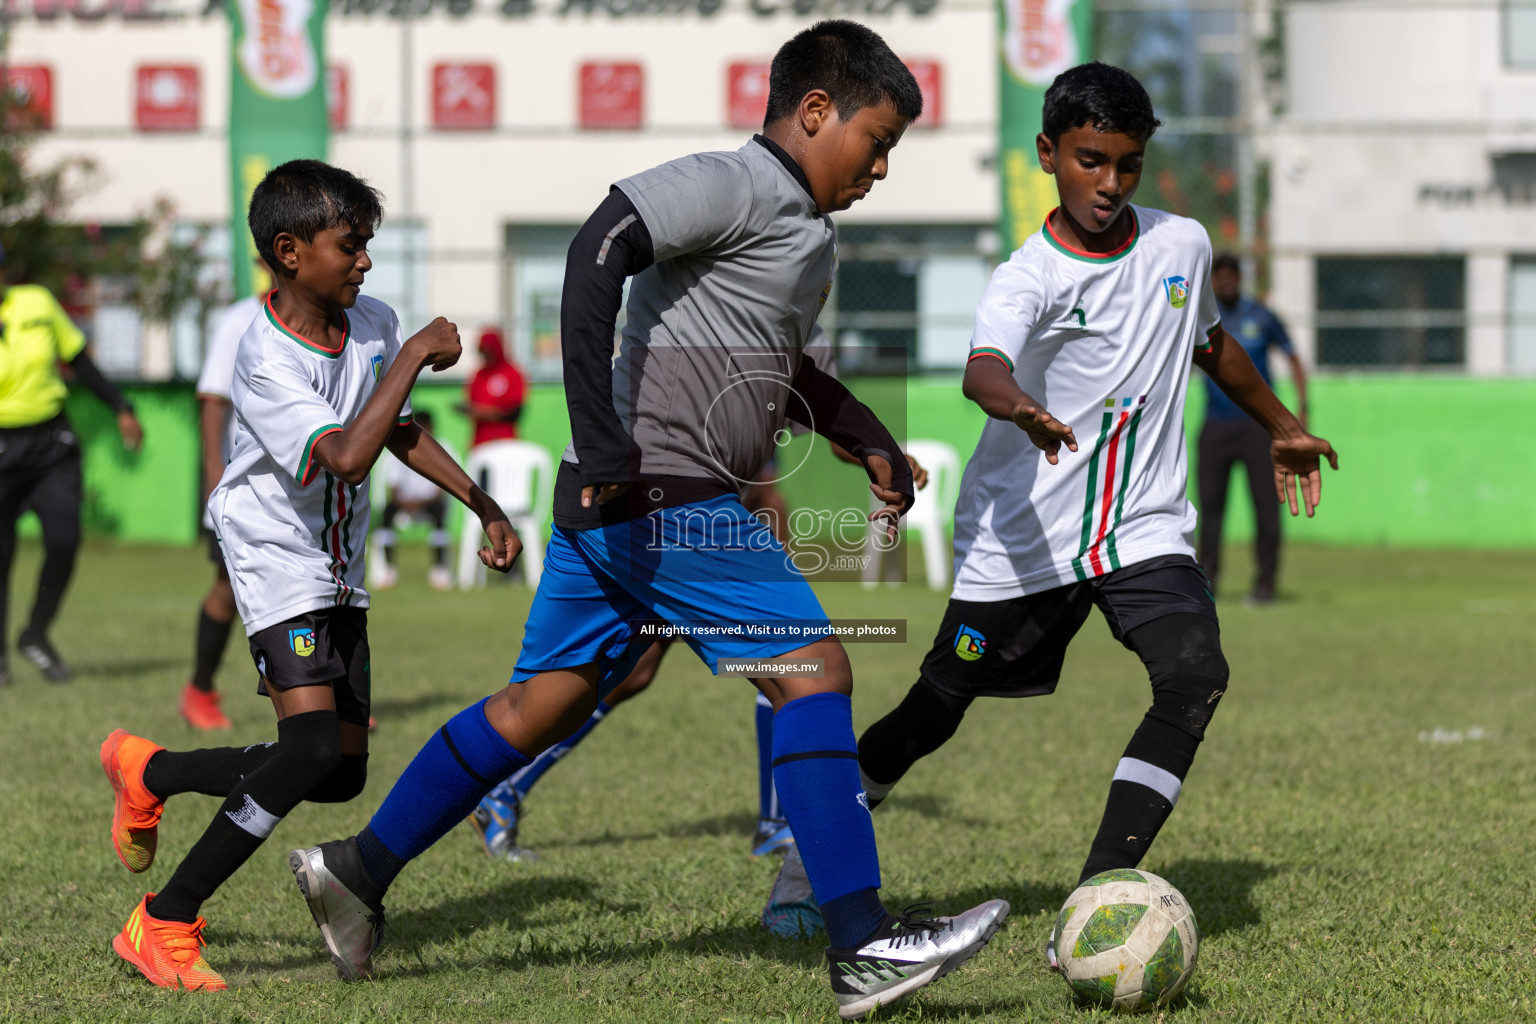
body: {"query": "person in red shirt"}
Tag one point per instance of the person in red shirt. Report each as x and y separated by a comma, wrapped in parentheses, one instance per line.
(496, 392)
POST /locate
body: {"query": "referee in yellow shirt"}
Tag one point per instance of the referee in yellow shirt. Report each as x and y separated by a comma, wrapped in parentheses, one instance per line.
(40, 454)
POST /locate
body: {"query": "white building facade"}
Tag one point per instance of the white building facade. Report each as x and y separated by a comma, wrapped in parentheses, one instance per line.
(1403, 184)
(493, 127)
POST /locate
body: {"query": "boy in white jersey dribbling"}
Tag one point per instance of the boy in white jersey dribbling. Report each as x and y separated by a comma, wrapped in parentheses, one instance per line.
(322, 382)
(1097, 318)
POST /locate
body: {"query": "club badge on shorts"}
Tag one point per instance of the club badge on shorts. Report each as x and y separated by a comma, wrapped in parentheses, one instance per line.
(303, 641)
(969, 644)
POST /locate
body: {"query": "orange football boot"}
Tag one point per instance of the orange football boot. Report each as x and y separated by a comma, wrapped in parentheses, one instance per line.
(169, 953)
(135, 810)
(201, 709)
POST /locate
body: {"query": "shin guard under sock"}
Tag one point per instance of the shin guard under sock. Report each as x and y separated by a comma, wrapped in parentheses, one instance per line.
(815, 766)
(449, 775)
(1141, 796)
(308, 749)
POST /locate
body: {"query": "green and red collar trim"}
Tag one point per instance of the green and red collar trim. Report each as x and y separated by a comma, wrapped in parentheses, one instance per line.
(1092, 257)
(329, 353)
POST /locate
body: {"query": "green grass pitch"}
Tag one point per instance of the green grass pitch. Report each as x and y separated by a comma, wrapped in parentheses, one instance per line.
(1355, 836)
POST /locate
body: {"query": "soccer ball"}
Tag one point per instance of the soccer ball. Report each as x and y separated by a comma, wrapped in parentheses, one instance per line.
(1126, 940)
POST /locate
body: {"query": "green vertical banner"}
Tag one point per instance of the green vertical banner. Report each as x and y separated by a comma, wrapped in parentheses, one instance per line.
(277, 104)
(1038, 40)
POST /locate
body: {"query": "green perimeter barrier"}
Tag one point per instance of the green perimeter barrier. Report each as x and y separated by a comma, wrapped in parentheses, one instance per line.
(1426, 461)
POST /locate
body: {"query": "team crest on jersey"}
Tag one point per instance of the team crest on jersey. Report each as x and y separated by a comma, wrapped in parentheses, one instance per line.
(1178, 290)
(969, 644)
(378, 365)
(303, 641)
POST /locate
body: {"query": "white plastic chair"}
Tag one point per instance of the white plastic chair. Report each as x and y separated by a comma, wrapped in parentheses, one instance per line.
(377, 569)
(928, 516)
(520, 476)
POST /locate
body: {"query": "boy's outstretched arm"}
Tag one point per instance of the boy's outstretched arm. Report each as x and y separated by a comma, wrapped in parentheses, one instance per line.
(821, 402)
(422, 454)
(989, 383)
(1296, 454)
(613, 244)
(350, 453)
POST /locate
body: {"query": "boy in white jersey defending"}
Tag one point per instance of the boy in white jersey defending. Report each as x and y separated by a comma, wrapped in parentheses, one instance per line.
(1099, 316)
(322, 384)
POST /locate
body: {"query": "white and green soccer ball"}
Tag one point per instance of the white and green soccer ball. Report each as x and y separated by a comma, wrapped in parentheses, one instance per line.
(1126, 940)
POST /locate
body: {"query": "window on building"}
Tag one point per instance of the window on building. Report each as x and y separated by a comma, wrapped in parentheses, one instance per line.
(1390, 311)
(1520, 33)
(1522, 315)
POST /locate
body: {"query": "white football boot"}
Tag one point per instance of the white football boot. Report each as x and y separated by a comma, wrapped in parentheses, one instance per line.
(911, 952)
(351, 926)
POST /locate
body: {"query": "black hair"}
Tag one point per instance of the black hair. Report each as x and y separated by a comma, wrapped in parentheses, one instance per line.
(304, 198)
(850, 62)
(1227, 261)
(1101, 95)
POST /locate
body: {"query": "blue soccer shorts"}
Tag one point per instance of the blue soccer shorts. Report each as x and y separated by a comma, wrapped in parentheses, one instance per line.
(711, 569)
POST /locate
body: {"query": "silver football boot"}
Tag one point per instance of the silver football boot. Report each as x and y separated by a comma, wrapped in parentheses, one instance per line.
(351, 926)
(913, 951)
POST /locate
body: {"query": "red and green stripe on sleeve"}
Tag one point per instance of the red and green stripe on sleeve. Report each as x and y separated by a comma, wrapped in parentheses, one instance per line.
(308, 467)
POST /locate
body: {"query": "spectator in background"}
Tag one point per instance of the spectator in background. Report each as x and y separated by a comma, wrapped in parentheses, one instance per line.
(415, 497)
(1231, 436)
(40, 454)
(199, 702)
(496, 392)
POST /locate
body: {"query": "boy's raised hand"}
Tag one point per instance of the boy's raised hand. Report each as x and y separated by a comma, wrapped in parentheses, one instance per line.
(896, 503)
(1297, 462)
(438, 344)
(1046, 431)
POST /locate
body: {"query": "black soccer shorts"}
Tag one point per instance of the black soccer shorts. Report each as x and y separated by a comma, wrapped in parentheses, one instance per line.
(327, 647)
(1015, 647)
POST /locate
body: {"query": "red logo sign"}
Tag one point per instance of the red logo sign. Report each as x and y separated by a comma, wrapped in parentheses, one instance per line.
(31, 88)
(464, 96)
(167, 97)
(612, 95)
(930, 79)
(746, 89)
(337, 95)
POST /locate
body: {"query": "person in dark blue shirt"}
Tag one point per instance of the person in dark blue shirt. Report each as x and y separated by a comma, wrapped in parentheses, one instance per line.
(1231, 436)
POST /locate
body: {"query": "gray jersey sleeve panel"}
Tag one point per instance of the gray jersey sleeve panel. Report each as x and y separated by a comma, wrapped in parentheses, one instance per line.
(699, 203)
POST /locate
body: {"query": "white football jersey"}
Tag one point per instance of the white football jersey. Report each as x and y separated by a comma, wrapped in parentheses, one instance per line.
(1104, 343)
(293, 534)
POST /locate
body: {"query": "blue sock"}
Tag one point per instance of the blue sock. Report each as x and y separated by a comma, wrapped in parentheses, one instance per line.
(517, 785)
(767, 796)
(441, 785)
(815, 763)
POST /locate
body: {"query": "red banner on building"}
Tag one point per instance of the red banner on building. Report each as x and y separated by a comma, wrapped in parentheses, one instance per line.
(930, 79)
(464, 96)
(746, 90)
(31, 89)
(338, 96)
(167, 98)
(612, 95)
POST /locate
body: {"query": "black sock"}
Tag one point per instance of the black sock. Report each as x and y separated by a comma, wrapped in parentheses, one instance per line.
(308, 749)
(1141, 797)
(856, 913)
(378, 861)
(212, 638)
(922, 723)
(212, 771)
(1189, 675)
